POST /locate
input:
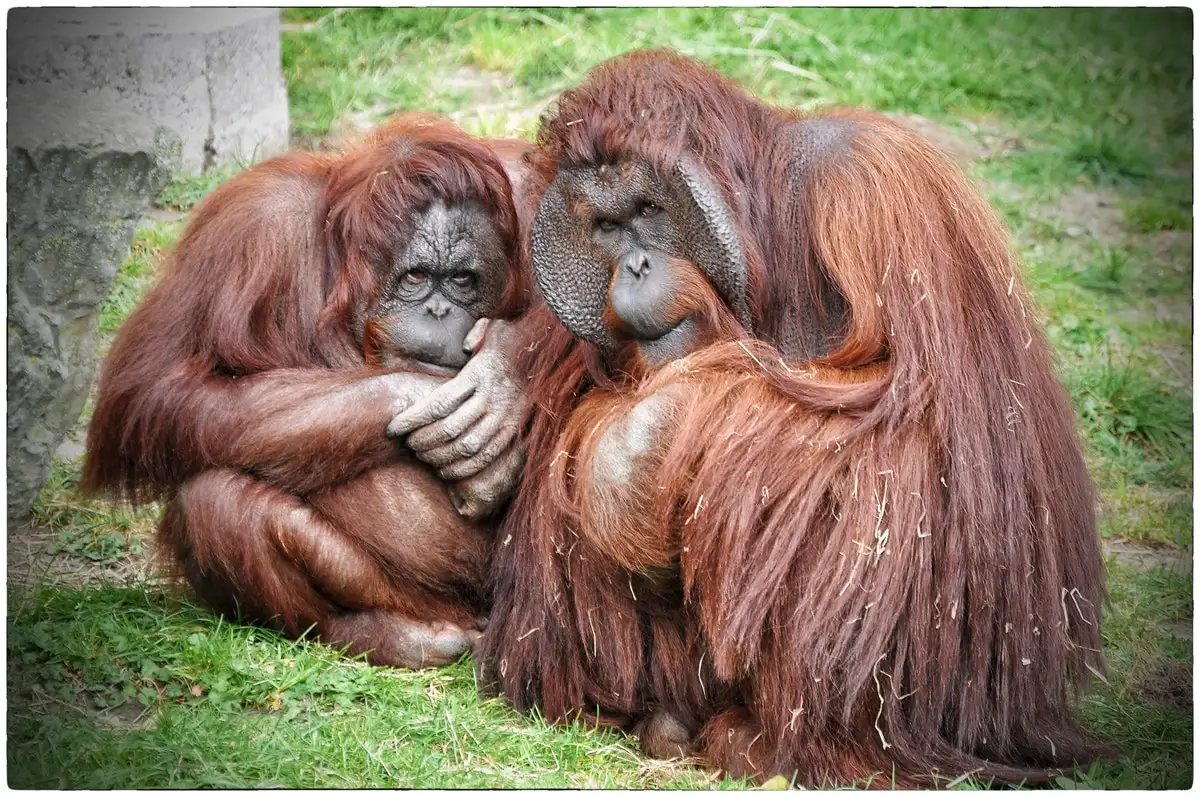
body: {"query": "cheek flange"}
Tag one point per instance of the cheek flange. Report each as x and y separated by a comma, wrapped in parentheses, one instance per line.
(574, 272)
(571, 270)
(711, 238)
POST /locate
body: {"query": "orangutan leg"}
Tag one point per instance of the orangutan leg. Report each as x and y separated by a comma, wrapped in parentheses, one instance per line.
(390, 639)
(727, 741)
(246, 543)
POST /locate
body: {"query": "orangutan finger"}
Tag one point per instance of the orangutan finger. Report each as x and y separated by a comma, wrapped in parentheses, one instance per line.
(449, 429)
(437, 405)
(486, 455)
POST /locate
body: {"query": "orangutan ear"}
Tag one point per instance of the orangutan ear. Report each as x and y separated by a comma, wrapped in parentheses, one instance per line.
(712, 238)
(571, 270)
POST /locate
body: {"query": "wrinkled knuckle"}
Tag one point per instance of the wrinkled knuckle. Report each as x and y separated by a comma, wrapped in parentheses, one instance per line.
(451, 473)
(436, 445)
(466, 468)
(492, 421)
(447, 428)
(494, 447)
(454, 432)
(421, 441)
(437, 457)
(467, 446)
(441, 407)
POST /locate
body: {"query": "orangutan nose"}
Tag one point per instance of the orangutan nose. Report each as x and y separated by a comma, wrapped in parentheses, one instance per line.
(437, 307)
(636, 263)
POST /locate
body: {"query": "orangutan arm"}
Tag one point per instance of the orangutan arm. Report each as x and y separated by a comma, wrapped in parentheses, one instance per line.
(298, 428)
(302, 429)
(617, 443)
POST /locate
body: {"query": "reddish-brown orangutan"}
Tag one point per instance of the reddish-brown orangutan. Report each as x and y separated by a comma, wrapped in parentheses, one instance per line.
(310, 300)
(803, 494)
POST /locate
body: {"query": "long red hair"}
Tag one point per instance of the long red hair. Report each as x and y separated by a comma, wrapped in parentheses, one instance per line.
(887, 553)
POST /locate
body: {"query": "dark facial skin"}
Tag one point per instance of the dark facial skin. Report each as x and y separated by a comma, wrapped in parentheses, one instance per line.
(633, 223)
(439, 283)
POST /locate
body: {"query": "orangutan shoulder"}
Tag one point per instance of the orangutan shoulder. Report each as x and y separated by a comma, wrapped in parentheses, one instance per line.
(627, 444)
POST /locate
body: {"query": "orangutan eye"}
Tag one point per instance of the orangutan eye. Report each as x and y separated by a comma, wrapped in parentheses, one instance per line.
(606, 225)
(650, 209)
(413, 278)
(463, 279)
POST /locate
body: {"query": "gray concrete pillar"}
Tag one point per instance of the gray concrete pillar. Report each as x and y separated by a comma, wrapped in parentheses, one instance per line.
(103, 104)
(211, 74)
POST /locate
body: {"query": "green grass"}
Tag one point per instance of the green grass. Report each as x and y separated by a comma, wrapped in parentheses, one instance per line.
(1083, 118)
(136, 274)
(185, 190)
(1142, 428)
(90, 529)
(1166, 206)
(1109, 156)
(126, 688)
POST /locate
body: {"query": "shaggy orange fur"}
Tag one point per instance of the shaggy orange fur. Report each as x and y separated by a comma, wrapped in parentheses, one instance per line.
(238, 394)
(880, 561)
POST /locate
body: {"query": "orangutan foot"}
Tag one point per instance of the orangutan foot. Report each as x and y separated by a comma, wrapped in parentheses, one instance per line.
(393, 640)
(663, 735)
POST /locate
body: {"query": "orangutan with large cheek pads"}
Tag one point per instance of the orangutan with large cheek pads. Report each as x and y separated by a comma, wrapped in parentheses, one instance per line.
(803, 494)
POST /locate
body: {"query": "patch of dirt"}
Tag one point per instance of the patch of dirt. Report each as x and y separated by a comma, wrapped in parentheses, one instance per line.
(993, 136)
(480, 84)
(488, 96)
(1083, 212)
(1170, 685)
(71, 449)
(1144, 558)
(159, 215)
(966, 141)
(33, 561)
(1088, 211)
(131, 716)
(351, 126)
(1173, 245)
(517, 116)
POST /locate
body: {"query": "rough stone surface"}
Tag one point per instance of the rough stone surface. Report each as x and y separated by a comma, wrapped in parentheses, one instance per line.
(247, 94)
(212, 75)
(81, 172)
(103, 103)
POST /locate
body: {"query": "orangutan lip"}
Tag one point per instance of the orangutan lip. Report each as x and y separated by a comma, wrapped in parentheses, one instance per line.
(437, 369)
(661, 335)
(671, 345)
